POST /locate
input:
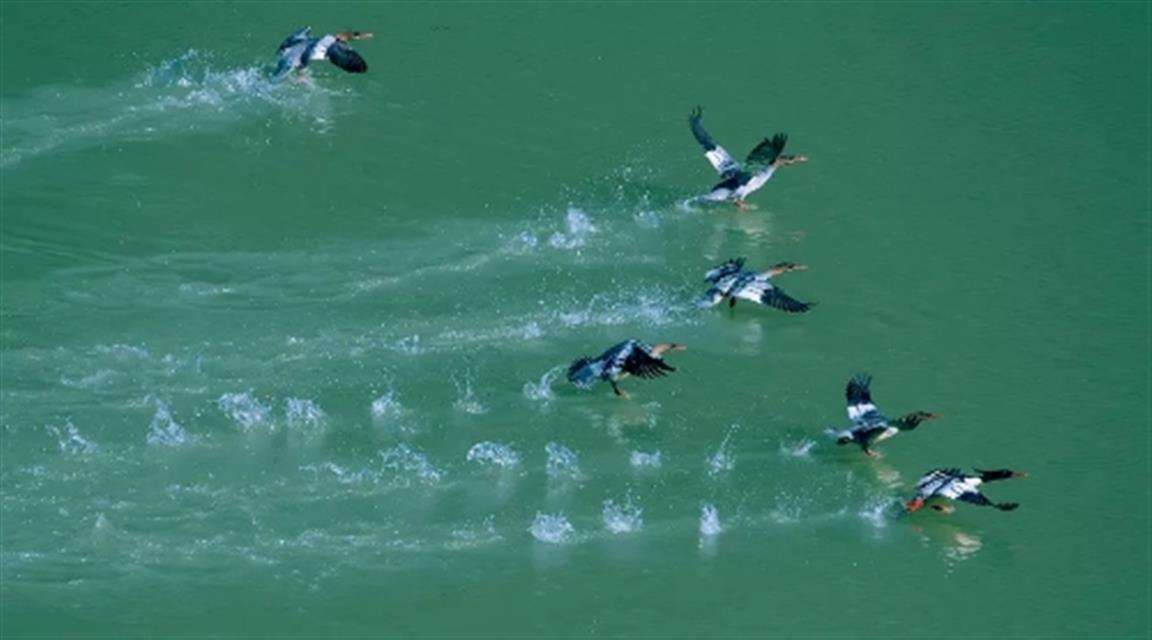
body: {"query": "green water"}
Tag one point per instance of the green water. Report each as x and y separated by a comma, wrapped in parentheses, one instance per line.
(251, 332)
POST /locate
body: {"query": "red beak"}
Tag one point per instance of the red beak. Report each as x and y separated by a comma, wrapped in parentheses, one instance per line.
(914, 505)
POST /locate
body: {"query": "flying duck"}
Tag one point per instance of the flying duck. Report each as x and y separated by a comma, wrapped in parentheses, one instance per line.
(952, 484)
(300, 48)
(737, 183)
(869, 426)
(731, 280)
(628, 357)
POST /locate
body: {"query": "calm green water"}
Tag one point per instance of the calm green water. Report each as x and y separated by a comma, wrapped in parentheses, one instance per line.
(251, 332)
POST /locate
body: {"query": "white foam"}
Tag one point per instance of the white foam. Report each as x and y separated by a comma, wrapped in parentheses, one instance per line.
(622, 518)
(553, 529)
(493, 453)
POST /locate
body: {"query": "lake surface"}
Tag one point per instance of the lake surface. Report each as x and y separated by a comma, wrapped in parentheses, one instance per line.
(289, 358)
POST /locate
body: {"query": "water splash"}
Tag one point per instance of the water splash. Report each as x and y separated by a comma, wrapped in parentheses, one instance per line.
(875, 512)
(303, 413)
(541, 391)
(709, 521)
(409, 345)
(724, 460)
(563, 463)
(797, 449)
(178, 95)
(553, 529)
(387, 407)
(164, 430)
(623, 517)
(647, 219)
(643, 460)
(70, 441)
(245, 410)
(577, 228)
(466, 399)
(493, 453)
(409, 463)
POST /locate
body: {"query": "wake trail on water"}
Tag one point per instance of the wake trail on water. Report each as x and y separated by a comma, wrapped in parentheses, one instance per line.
(185, 94)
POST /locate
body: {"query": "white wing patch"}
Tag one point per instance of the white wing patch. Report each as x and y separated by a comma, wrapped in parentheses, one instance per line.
(720, 160)
(757, 181)
(857, 411)
(320, 49)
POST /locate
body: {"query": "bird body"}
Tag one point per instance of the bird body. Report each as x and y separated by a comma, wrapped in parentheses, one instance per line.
(952, 484)
(869, 426)
(300, 49)
(630, 357)
(732, 281)
(738, 181)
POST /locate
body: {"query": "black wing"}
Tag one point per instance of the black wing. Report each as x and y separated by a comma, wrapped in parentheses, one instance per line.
(774, 297)
(346, 58)
(857, 391)
(695, 121)
(294, 39)
(642, 365)
(768, 150)
(975, 497)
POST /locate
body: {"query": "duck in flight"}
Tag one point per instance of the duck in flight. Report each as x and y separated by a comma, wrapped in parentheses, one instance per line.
(869, 426)
(731, 280)
(630, 357)
(736, 181)
(952, 484)
(300, 49)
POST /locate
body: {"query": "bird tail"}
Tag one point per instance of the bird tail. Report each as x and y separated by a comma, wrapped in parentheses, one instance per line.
(842, 437)
(582, 372)
(1006, 506)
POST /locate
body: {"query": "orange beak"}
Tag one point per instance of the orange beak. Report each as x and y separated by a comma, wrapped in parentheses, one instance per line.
(914, 505)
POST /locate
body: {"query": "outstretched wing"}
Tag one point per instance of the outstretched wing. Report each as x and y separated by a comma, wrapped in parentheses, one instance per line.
(296, 38)
(642, 364)
(720, 159)
(777, 299)
(768, 150)
(975, 497)
(346, 58)
(859, 398)
(759, 289)
(725, 270)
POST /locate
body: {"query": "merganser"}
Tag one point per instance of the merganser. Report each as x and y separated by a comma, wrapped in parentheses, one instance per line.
(731, 280)
(736, 183)
(628, 357)
(869, 425)
(300, 48)
(952, 484)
